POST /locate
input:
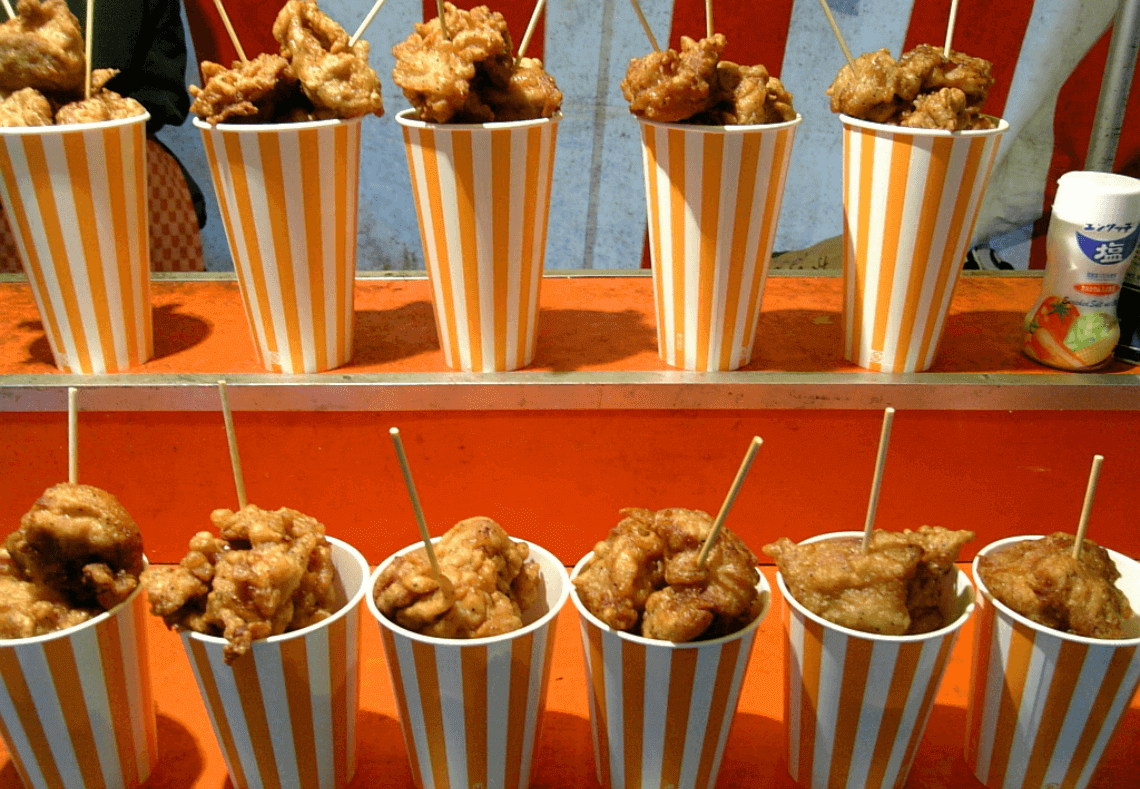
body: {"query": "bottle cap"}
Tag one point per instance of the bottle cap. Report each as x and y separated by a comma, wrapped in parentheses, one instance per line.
(1087, 196)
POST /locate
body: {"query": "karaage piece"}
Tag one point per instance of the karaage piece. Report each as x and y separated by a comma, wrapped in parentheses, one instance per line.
(105, 105)
(27, 107)
(335, 77)
(671, 86)
(31, 609)
(1041, 580)
(903, 583)
(268, 573)
(42, 48)
(746, 95)
(488, 584)
(79, 541)
(626, 568)
(246, 93)
(530, 93)
(877, 90)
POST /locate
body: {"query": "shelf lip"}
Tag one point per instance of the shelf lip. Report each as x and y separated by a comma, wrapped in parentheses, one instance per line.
(570, 391)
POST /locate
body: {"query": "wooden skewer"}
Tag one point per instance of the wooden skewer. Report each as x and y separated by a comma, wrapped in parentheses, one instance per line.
(411, 486)
(838, 35)
(645, 25)
(230, 29)
(72, 436)
(884, 441)
(541, 4)
(231, 437)
(11, 11)
(703, 556)
(90, 36)
(364, 25)
(708, 19)
(442, 20)
(1086, 510)
(950, 27)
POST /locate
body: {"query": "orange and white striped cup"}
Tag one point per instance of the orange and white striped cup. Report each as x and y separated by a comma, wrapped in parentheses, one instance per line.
(482, 195)
(76, 709)
(288, 195)
(660, 711)
(713, 194)
(910, 201)
(76, 199)
(1044, 704)
(471, 709)
(856, 704)
(285, 712)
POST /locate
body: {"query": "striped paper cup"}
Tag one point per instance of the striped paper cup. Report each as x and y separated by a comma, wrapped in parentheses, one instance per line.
(1044, 704)
(483, 197)
(910, 201)
(285, 712)
(669, 731)
(713, 194)
(76, 198)
(471, 709)
(856, 704)
(288, 194)
(76, 709)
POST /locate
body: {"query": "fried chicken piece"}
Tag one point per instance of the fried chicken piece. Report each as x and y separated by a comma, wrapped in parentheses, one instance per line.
(973, 76)
(932, 591)
(488, 583)
(530, 93)
(877, 91)
(268, 573)
(42, 48)
(79, 541)
(30, 609)
(246, 93)
(27, 107)
(106, 105)
(1041, 580)
(335, 77)
(626, 568)
(671, 86)
(746, 95)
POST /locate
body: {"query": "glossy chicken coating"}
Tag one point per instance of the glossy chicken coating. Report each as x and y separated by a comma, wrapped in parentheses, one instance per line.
(746, 95)
(105, 105)
(31, 609)
(27, 107)
(488, 584)
(42, 48)
(246, 93)
(1041, 580)
(671, 86)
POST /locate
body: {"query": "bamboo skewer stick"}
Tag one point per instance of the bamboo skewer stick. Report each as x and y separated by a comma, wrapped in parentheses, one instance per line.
(364, 25)
(416, 508)
(838, 35)
(442, 20)
(645, 25)
(539, 6)
(90, 37)
(230, 29)
(231, 437)
(8, 7)
(884, 442)
(72, 436)
(1086, 509)
(950, 27)
(708, 19)
(703, 556)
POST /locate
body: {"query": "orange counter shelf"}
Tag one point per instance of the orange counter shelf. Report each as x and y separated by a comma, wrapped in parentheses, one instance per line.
(189, 757)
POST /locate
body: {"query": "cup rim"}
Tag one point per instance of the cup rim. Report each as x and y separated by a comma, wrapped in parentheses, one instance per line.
(343, 611)
(404, 118)
(64, 128)
(1037, 627)
(94, 621)
(1002, 126)
(762, 586)
(721, 129)
(537, 624)
(946, 629)
(264, 128)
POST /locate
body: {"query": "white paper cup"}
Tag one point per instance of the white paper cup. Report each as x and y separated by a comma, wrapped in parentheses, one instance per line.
(856, 704)
(910, 201)
(482, 195)
(288, 197)
(1044, 704)
(471, 709)
(713, 196)
(285, 712)
(660, 711)
(76, 197)
(76, 709)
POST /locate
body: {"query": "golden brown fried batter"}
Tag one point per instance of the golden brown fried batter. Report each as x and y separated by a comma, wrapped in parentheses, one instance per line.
(671, 86)
(644, 578)
(1041, 580)
(42, 48)
(746, 95)
(335, 77)
(268, 573)
(31, 609)
(471, 78)
(27, 107)
(488, 584)
(246, 93)
(903, 584)
(106, 105)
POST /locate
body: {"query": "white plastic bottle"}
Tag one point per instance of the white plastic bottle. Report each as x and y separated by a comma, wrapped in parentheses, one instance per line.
(1092, 234)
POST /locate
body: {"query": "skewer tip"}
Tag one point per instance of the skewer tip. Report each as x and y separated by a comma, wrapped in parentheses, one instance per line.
(393, 431)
